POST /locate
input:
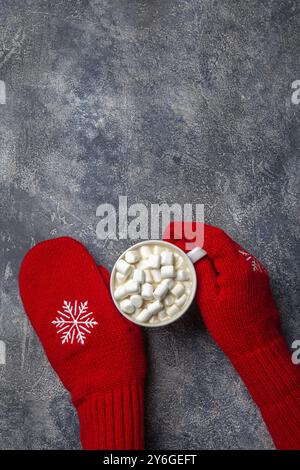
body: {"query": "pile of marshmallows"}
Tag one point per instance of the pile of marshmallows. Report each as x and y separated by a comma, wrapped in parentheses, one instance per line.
(152, 283)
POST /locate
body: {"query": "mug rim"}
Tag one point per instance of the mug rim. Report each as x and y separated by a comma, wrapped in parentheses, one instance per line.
(193, 289)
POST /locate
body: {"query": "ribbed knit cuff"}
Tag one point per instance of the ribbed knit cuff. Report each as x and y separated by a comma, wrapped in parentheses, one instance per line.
(274, 384)
(114, 419)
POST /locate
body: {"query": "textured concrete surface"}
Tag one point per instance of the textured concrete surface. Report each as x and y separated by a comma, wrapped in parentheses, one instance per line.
(162, 101)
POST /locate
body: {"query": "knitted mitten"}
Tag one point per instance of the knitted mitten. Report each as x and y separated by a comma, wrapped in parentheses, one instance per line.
(237, 306)
(98, 354)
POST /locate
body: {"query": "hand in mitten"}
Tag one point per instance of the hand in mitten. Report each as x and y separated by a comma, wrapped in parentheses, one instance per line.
(233, 293)
(237, 306)
(98, 354)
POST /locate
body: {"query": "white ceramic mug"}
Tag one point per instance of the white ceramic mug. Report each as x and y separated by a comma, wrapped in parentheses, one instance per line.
(189, 258)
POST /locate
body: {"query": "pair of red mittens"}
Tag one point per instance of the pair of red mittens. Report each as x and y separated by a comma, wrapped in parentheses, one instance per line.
(98, 355)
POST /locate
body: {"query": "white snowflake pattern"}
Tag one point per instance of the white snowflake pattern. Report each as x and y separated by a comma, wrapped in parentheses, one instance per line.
(74, 321)
(256, 265)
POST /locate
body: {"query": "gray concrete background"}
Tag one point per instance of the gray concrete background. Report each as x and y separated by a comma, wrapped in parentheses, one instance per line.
(162, 101)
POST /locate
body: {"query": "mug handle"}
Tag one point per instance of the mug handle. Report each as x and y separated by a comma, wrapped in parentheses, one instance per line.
(195, 254)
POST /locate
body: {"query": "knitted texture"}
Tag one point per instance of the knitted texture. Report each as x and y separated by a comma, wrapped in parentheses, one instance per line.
(237, 306)
(98, 354)
(113, 419)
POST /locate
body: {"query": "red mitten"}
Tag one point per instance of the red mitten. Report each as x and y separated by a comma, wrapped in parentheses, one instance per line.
(98, 354)
(237, 306)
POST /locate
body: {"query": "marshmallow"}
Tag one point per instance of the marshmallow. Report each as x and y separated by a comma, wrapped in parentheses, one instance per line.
(136, 300)
(174, 310)
(156, 275)
(145, 252)
(170, 283)
(132, 257)
(143, 264)
(166, 258)
(144, 315)
(162, 315)
(153, 319)
(148, 276)
(178, 290)
(181, 301)
(123, 267)
(167, 271)
(132, 287)
(139, 276)
(182, 275)
(178, 261)
(196, 253)
(157, 249)
(155, 307)
(120, 292)
(147, 291)
(154, 261)
(161, 291)
(120, 277)
(126, 306)
(169, 300)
